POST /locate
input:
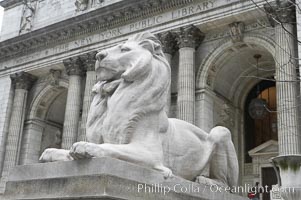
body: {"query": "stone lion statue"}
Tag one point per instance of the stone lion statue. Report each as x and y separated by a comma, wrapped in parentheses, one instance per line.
(127, 120)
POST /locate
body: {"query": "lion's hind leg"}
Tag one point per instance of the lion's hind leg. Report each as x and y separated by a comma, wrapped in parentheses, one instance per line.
(167, 173)
(224, 163)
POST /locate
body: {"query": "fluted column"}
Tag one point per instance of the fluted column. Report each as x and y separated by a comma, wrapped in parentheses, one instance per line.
(31, 142)
(74, 69)
(168, 41)
(89, 63)
(188, 39)
(281, 15)
(286, 76)
(6, 127)
(22, 83)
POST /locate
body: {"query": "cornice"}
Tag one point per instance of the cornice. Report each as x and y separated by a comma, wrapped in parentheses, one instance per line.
(103, 18)
(7, 3)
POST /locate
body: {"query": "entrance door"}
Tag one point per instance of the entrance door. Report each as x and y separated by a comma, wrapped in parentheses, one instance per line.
(269, 178)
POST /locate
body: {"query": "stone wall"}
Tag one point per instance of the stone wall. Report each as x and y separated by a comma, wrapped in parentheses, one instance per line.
(59, 10)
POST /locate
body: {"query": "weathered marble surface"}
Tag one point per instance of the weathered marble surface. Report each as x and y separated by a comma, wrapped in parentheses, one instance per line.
(127, 120)
(100, 178)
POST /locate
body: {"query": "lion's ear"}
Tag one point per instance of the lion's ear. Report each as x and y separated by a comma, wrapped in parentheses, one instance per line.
(153, 46)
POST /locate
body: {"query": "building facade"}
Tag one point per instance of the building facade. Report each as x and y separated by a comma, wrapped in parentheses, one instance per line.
(223, 55)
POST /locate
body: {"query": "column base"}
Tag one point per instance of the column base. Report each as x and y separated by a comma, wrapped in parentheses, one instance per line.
(289, 176)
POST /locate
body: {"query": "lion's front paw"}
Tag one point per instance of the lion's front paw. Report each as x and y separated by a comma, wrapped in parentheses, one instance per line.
(80, 150)
(52, 154)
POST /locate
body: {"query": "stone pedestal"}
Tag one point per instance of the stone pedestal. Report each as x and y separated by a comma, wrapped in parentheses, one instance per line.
(289, 176)
(103, 178)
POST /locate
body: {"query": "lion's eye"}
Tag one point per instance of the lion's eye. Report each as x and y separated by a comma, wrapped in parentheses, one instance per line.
(125, 49)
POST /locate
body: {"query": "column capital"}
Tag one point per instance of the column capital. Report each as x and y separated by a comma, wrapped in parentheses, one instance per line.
(189, 36)
(89, 60)
(169, 42)
(73, 66)
(22, 80)
(280, 12)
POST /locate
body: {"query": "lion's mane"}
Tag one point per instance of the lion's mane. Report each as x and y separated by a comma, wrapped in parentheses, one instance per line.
(141, 90)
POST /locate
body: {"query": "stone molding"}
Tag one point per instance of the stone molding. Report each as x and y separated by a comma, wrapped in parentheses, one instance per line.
(169, 43)
(22, 80)
(89, 60)
(280, 12)
(8, 3)
(189, 36)
(259, 26)
(103, 18)
(74, 66)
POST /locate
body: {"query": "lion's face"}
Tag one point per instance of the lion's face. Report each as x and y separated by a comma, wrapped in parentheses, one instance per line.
(118, 62)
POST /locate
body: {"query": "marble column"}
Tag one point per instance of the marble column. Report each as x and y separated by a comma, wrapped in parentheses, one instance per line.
(74, 69)
(31, 141)
(205, 105)
(188, 38)
(6, 127)
(89, 64)
(168, 41)
(22, 83)
(286, 77)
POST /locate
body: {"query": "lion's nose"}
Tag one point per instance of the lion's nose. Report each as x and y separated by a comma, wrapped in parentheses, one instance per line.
(101, 55)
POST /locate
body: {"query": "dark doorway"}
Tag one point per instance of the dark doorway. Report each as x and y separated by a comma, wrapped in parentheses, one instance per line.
(259, 131)
(269, 178)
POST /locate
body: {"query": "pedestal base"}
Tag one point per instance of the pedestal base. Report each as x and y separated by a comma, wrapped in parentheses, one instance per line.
(289, 176)
(103, 178)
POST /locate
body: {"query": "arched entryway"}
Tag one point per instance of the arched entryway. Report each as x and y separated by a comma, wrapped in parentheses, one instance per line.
(44, 122)
(225, 79)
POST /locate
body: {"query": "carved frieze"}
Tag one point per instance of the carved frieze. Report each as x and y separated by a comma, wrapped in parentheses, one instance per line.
(260, 25)
(236, 31)
(99, 21)
(22, 80)
(82, 5)
(27, 15)
(53, 77)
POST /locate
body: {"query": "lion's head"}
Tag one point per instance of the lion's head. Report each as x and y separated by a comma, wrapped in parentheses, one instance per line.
(129, 60)
(135, 76)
